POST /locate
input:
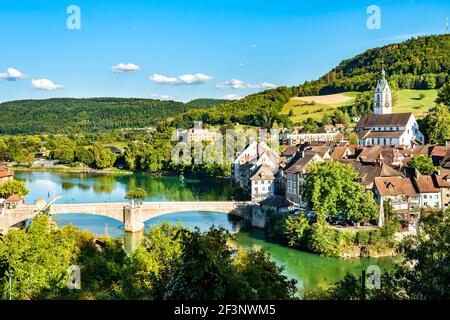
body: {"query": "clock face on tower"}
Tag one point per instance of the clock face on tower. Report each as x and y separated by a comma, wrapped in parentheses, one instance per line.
(386, 104)
(377, 104)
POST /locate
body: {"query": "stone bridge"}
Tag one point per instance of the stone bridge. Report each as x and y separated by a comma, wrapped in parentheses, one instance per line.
(132, 216)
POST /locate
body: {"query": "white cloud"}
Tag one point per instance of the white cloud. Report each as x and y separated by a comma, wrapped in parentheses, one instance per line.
(238, 84)
(233, 83)
(45, 84)
(231, 97)
(122, 67)
(161, 96)
(197, 78)
(253, 45)
(12, 74)
(265, 85)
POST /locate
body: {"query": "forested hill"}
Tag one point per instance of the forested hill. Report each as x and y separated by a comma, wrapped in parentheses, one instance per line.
(419, 63)
(90, 115)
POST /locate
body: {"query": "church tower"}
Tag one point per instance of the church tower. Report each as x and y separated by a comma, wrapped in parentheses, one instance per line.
(383, 96)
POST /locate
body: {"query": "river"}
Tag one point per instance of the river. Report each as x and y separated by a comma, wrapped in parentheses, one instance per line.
(311, 271)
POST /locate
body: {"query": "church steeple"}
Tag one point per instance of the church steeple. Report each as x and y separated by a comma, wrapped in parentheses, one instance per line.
(383, 96)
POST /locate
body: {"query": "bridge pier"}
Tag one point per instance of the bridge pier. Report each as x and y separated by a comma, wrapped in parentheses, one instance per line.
(132, 218)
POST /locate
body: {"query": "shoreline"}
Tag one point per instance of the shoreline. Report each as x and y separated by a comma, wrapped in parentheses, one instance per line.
(74, 170)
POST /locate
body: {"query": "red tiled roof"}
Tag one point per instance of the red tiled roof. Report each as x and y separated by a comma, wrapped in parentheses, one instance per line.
(425, 184)
(384, 120)
(394, 186)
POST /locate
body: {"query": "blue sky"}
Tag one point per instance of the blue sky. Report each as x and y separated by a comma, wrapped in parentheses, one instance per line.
(190, 49)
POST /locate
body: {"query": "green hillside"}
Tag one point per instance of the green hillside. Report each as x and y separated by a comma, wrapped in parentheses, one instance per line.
(419, 63)
(408, 100)
(89, 115)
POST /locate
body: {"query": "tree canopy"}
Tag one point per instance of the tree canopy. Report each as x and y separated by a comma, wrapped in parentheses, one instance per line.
(332, 189)
(9, 188)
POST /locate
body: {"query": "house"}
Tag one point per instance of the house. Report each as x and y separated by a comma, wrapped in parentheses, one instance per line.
(368, 172)
(277, 204)
(254, 154)
(113, 149)
(400, 193)
(308, 137)
(384, 127)
(339, 126)
(289, 152)
(430, 194)
(6, 175)
(340, 153)
(295, 174)
(262, 183)
(323, 151)
(442, 181)
(329, 128)
(196, 134)
(14, 200)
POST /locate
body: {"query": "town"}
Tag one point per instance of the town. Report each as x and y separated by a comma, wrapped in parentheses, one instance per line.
(225, 151)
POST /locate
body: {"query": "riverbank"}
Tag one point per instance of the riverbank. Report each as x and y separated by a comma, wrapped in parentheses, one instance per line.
(108, 171)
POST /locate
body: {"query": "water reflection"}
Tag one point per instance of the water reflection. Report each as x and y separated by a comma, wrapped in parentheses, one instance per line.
(82, 187)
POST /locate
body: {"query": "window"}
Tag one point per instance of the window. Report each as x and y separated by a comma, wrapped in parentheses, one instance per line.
(425, 196)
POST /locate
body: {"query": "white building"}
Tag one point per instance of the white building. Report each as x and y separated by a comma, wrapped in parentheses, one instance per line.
(430, 194)
(196, 134)
(262, 183)
(384, 127)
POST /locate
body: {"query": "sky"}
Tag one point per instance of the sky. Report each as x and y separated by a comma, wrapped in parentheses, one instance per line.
(185, 49)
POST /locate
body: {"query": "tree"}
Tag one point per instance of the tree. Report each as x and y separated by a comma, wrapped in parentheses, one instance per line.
(24, 157)
(136, 194)
(158, 253)
(84, 155)
(444, 95)
(13, 187)
(103, 157)
(156, 155)
(65, 154)
(332, 189)
(423, 274)
(353, 138)
(209, 269)
(423, 163)
(437, 125)
(265, 279)
(295, 229)
(38, 259)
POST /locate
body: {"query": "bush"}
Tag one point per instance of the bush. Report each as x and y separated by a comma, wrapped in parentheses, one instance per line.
(362, 238)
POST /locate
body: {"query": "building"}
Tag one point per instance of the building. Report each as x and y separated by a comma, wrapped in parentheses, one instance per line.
(6, 175)
(262, 183)
(295, 174)
(252, 166)
(308, 137)
(442, 181)
(401, 195)
(196, 134)
(430, 194)
(384, 127)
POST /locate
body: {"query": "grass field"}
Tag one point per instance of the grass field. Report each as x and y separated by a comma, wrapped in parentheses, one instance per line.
(309, 107)
(410, 101)
(315, 107)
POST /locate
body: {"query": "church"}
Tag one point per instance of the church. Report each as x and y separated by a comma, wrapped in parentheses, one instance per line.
(384, 127)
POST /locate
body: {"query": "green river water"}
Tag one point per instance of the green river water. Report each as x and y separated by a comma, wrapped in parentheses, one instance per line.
(311, 271)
